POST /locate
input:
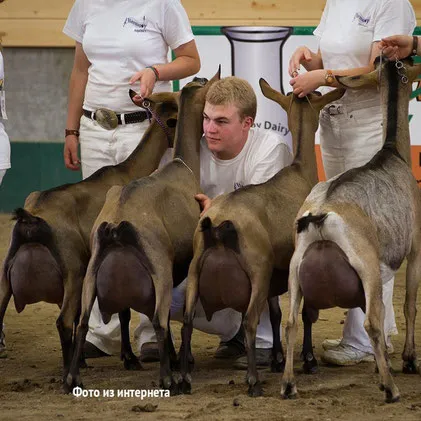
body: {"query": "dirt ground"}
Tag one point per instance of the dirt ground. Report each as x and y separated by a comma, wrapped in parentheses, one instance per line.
(30, 377)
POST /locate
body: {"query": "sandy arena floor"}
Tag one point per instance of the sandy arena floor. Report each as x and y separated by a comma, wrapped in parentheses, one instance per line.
(30, 377)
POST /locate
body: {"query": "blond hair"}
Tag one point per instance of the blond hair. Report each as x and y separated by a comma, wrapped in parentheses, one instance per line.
(235, 91)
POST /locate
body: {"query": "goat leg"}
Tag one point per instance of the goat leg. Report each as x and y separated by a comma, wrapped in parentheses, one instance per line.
(409, 356)
(68, 314)
(250, 322)
(288, 387)
(374, 326)
(131, 362)
(5, 295)
(310, 365)
(186, 357)
(88, 297)
(278, 358)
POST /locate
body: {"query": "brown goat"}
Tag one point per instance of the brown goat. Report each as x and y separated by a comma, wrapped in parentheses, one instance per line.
(49, 250)
(142, 241)
(243, 244)
(356, 229)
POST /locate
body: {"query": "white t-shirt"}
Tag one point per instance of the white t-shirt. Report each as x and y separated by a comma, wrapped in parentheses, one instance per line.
(263, 155)
(4, 139)
(348, 28)
(122, 37)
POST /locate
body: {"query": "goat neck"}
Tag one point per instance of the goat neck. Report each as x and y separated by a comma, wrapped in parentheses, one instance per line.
(395, 97)
(158, 137)
(189, 129)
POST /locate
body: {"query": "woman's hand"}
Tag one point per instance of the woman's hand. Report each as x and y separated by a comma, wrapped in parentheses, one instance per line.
(307, 82)
(300, 55)
(147, 80)
(396, 46)
(71, 159)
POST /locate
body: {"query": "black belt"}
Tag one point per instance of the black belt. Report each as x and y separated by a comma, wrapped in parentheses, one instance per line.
(128, 118)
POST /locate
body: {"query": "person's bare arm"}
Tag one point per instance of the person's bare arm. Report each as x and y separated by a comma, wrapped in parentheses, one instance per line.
(77, 85)
(400, 46)
(186, 63)
(310, 81)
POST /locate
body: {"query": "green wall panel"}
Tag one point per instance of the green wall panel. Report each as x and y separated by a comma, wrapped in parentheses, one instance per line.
(35, 166)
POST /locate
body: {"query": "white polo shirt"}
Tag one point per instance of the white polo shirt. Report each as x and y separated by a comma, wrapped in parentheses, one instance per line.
(263, 155)
(348, 28)
(120, 38)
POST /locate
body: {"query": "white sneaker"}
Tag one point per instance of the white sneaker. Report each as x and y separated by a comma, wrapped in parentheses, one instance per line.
(346, 355)
(334, 343)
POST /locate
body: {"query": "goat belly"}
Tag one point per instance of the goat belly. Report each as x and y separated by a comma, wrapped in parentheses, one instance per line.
(223, 283)
(123, 282)
(327, 279)
(35, 276)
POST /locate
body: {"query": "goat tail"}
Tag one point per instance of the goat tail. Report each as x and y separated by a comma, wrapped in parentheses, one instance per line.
(304, 222)
(121, 235)
(225, 233)
(31, 229)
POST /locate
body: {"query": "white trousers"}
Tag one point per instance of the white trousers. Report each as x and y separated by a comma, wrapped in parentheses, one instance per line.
(100, 147)
(2, 173)
(350, 140)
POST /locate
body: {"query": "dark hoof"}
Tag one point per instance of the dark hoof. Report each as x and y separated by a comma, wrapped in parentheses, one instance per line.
(390, 398)
(410, 367)
(174, 389)
(310, 365)
(185, 387)
(132, 363)
(70, 385)
(277, 366)
(255, 390)
(289, 391)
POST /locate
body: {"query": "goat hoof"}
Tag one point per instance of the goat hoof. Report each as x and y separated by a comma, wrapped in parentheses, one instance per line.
(165, 383)
(410, 367)
(255, 390)
(185, 387)
(289, 391)
(390, 397)
(310, 365)
(132, 363)
(174, 389)
(277, 366)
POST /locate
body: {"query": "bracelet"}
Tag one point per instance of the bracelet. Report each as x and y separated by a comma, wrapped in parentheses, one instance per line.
(70, 132)
(414, 45)
(155, 70)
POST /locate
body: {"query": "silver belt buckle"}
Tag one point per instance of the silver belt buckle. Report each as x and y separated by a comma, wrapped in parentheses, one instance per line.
(334, 109)
(106, 118)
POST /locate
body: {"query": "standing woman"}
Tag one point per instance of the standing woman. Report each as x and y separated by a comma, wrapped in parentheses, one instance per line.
(119, 43)
(350, 129)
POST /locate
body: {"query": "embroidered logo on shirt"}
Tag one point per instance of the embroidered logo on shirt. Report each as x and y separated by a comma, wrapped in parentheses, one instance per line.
(139, 27)
(237, 185)
(361, 19)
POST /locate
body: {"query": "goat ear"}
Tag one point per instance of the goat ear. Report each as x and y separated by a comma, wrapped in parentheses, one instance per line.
(321, 101)
(274, 95)
(413, 72)
(359, 82)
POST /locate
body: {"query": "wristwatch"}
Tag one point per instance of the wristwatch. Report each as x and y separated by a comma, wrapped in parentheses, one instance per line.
(329, 77)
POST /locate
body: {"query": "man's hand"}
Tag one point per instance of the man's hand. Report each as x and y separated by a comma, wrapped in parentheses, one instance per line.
(71, 159)
(204, 202)
(396, 46)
